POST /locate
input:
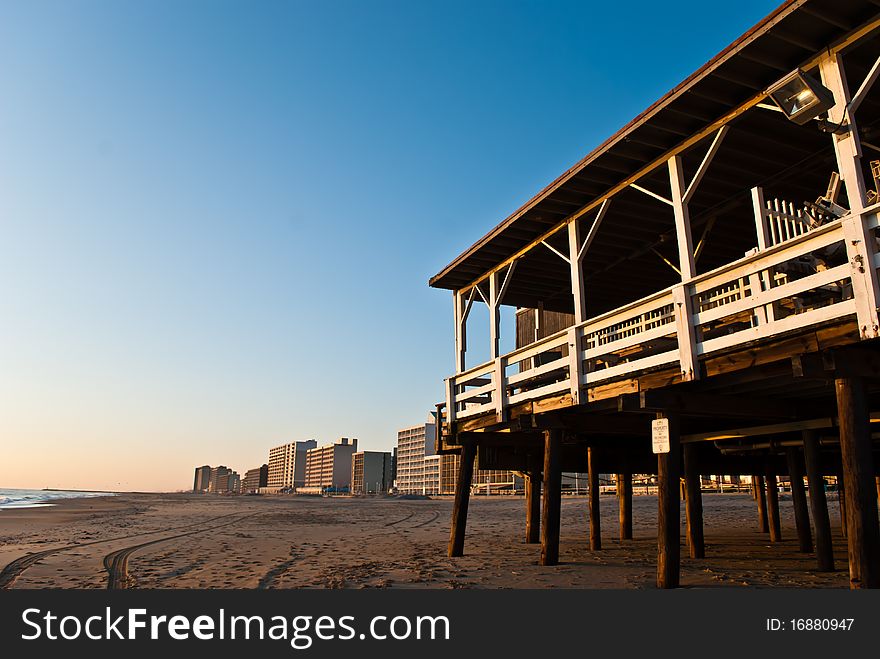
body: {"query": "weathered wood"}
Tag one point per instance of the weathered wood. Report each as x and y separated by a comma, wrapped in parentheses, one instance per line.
(841, 503)
(624, 502)
(462, 499)
(799, 499)
(863, 531)
(595, 521)
(761, 498)
(668, 510)
(552, 497)
(533, 506)
(693, 503)
(773, 507)
(818, 502)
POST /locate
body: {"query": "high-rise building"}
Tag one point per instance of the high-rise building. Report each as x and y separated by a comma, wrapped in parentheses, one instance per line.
(224, 481)
(202, 479)
(329, 467)
(254, 479)
(370, 472)
(413, 444)
(287, 464)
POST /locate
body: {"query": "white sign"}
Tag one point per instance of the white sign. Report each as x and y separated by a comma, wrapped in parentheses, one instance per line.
(660, 435)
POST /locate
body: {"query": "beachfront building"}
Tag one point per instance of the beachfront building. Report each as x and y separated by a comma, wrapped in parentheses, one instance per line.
(287, 465)
(431, 468)
(328, 468)
(413, 444)
(224, 481)
(254, 479)
(371, 472)
(714, 268)
(202, 479)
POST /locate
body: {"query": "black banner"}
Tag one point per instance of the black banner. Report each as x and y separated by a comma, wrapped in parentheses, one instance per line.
(392, 623)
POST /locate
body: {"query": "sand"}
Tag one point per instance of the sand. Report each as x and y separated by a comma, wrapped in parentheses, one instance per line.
(190, 541)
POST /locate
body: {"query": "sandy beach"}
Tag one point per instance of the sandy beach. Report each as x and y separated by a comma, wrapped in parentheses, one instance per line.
(189, 541)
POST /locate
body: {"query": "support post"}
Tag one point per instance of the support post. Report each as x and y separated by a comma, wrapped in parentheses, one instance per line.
(595, 520)
(773, 506)
(552, 497)
(818, 503)
(862, 529)
(859, 241)
(799, 499)
(693, 503)
(686, 262)
(624, 502)
(841, 502)
(761, 498)
(533, 506)
(462, 498)
(577, 276)
(668, 509)
(494, 316)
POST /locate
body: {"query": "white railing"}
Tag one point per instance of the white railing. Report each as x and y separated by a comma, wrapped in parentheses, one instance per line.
(804, 280)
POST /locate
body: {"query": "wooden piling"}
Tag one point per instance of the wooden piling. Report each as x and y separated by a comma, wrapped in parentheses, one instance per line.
(552, 497)
(799, 499)
(668, 510)
(595, 522)
(533, 507)
(862, 528)
(818, 502)
(624, 502)
(693, 503)
(841, 502)
(773, 507)
(761, 499)
(462, 499)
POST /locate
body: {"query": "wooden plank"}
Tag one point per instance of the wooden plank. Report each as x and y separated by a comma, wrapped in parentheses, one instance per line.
(799, 499)
(595, 517)
(612, 390)
(686, 263)
(552, 498)
(754, 356)
(760, 222)
(818, 503)
(576, 271)
(863, 531)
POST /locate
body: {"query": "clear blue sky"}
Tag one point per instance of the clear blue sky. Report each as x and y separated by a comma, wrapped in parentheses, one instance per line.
(218, 219)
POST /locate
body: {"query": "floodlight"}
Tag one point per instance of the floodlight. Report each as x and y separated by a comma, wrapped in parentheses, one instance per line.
(801, 97)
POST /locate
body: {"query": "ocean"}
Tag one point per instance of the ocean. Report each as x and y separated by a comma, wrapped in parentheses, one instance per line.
(37, 498)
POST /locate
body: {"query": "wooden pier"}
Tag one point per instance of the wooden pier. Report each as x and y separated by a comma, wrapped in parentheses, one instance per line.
(713, 264)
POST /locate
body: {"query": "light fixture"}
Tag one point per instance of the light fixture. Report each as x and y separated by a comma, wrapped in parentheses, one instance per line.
(801, 97)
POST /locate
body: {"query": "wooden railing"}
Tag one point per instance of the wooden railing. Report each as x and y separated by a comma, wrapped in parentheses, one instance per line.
(803, 280)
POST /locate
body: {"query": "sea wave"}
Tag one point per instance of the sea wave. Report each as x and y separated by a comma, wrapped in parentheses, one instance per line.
(10, 498)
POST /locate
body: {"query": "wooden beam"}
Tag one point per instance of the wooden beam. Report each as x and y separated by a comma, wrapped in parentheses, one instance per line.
(855, 362)
(756, 431)
(862, 92)
(693, 503)
(799, 499)
(863, 532)
(704, 165)
(462, 499)
(624, 502)
(552, 498)
(688, 403)
(533, 506)
(818, 502)
(668, 524)
(595, 518)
